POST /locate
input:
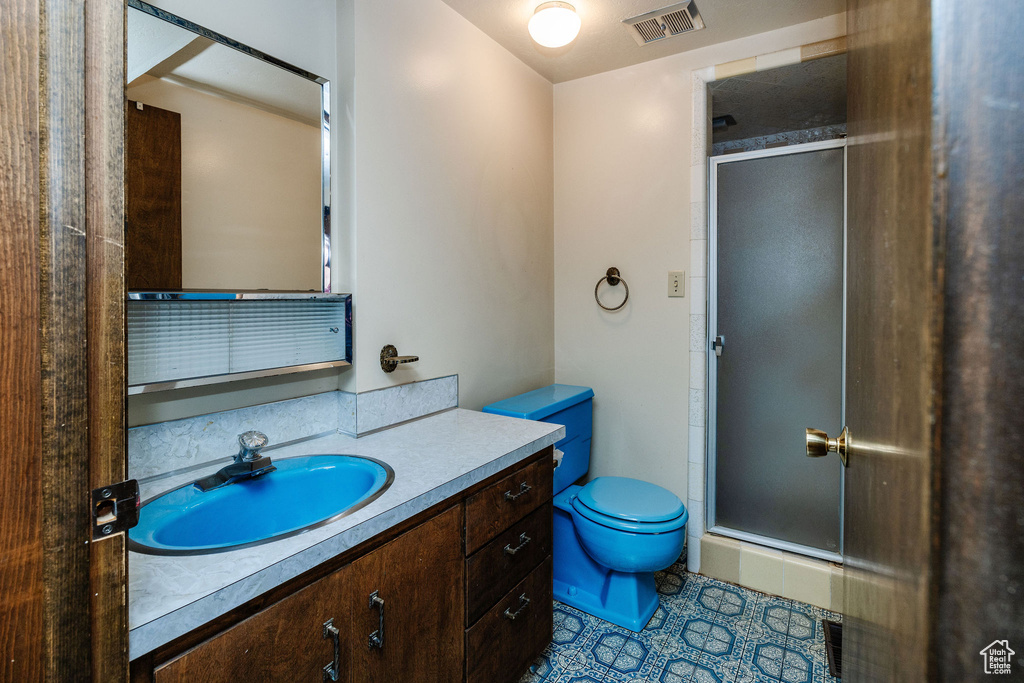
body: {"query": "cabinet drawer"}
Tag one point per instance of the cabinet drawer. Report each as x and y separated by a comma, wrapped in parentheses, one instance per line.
(500, 648)
(494, 569)
(505, 502)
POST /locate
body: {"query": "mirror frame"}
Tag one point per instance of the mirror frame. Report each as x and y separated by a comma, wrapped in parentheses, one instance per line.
(325, 123)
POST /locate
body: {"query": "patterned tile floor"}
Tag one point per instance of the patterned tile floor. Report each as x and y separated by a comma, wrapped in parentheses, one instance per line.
(705, 631)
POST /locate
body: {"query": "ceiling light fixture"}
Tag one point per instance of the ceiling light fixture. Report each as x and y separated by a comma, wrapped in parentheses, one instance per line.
(554, 24)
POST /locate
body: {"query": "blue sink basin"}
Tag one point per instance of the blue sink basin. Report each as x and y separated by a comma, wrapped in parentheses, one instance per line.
(303, 493)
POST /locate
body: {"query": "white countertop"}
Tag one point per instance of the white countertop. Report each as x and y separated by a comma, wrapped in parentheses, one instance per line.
(433, 459)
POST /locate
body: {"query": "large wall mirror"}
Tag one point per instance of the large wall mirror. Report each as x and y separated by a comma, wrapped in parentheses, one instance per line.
(227, 163)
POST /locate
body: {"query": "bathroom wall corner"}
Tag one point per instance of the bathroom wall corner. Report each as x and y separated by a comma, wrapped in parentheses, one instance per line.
(347, 406)
(693, 553)
(695, 483)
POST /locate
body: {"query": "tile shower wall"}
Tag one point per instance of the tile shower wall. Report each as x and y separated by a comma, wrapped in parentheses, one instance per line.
(166, 447)
(698, 276)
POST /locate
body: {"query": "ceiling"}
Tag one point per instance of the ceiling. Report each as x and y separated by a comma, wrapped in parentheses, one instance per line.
(604, 43)
(161, 49)
(797, 97)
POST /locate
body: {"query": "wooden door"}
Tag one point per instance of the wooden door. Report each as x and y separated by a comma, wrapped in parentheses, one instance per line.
(61, 329)
(152, 139)
(891, 362)
(419, 577)
(934, 533)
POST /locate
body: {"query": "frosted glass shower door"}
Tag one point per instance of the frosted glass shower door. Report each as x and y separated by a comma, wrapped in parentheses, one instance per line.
(777, 305)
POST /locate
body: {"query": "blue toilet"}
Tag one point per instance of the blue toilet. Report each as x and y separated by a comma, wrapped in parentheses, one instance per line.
(611, 535)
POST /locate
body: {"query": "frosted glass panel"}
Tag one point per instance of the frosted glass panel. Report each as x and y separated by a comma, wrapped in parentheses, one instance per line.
(175, 340)
(780, 309)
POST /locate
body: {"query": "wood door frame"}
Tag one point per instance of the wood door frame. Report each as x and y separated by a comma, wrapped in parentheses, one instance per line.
(978, 214)
(105, 306)
(63, 336)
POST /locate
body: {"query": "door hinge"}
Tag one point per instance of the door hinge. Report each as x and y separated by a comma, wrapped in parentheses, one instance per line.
(115, 509)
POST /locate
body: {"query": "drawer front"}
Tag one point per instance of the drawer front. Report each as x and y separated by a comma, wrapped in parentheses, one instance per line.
(505, 502)
(494, 569)
(499, 648)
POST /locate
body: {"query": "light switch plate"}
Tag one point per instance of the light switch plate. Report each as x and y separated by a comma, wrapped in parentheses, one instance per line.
(677, 283)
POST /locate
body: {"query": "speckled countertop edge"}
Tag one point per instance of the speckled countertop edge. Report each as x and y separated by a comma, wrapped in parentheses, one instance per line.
(433, 458)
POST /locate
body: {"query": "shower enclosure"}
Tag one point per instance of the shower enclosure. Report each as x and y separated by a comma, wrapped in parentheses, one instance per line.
(776, 339)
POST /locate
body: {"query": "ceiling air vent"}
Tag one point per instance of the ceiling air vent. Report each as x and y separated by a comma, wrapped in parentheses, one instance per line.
(664, 23)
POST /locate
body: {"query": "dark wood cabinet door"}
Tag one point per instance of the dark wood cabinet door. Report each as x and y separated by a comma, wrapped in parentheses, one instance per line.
(419, 578)
(284, 642)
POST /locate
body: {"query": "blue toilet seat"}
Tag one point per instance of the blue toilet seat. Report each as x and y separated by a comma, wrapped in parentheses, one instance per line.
(630, 505)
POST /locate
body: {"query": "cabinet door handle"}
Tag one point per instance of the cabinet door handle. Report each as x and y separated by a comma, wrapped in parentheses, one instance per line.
(523, 602)
(523, 488)
(332, 670)
(523, 540)
(377, 637)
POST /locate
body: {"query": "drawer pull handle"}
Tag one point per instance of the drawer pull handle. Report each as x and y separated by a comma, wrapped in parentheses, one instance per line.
(377, 637)
(523, 540)
(523, 488)
(523, 602)
(332, 670)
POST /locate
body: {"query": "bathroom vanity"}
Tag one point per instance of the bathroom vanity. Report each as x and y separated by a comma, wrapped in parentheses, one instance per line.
(446, 577)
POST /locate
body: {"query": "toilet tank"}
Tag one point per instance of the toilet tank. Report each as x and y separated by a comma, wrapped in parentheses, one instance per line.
(561, 404)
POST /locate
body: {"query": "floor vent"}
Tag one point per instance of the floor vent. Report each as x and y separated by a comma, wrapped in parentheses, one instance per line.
(834, 646)
(664, 23)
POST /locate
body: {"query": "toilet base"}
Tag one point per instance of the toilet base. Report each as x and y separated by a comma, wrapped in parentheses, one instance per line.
(625, 599)
(629, 600)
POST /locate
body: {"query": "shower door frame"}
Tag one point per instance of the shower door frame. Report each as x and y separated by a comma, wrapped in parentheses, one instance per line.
(711, 435)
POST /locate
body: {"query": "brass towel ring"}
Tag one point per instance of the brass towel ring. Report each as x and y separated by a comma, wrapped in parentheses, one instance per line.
(613, 278)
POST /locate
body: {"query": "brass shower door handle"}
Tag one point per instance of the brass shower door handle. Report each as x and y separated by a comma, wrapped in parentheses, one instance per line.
(819, 445)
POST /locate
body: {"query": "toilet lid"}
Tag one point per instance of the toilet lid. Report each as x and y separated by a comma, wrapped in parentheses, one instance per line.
(631, 500)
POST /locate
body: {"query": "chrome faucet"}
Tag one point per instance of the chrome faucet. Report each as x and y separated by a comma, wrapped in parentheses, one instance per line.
(248, 463)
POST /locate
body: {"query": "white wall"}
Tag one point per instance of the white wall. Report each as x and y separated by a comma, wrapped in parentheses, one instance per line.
(454, 204)
(622, 198)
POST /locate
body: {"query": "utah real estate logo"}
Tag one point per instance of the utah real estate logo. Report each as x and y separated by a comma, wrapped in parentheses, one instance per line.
(997, 657)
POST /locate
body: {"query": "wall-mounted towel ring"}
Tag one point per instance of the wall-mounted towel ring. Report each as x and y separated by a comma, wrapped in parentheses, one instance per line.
(613, 278)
